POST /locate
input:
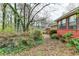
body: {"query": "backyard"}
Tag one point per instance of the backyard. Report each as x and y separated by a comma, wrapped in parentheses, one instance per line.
(27, 29)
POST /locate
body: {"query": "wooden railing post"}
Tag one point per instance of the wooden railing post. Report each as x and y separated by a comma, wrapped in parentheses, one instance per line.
(77, 21)
(67, 23)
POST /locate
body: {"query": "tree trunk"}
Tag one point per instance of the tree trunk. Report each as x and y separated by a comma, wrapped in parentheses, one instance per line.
(18, 24)
(27, 26)
(24, 18)
(15, 24)
(4, 15)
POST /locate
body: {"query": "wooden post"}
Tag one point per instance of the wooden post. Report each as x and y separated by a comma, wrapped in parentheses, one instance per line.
(57, 27)
(76, 21)
(67, 23)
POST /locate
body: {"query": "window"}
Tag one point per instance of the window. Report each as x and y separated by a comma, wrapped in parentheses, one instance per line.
(72, 22)
(59, 25)
(63, 24)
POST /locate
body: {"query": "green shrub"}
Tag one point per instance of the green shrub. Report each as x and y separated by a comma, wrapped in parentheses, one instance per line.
(17, 44)
(31, 43)
(73, 42)
(38, 42)
(69, 45)
(67, 35)
(6, 43)
(11, 45)
(54, 36)
(53, 32)
(37, 37)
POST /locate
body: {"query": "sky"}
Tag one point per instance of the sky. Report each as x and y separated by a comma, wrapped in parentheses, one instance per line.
(59, 11)
(55, 11)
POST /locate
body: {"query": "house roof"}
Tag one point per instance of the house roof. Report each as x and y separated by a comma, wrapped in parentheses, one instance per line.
(70, 13)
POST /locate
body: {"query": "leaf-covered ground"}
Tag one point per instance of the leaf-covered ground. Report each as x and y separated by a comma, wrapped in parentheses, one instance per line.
(49, 48)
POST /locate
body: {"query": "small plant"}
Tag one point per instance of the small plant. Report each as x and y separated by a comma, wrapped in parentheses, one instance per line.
(37, 37)
(53, 32)
(67, 36)
(54, 36)
(31, 43)
(73, 43)
(69, 45)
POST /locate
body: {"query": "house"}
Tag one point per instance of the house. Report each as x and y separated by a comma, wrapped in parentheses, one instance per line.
(69, 22)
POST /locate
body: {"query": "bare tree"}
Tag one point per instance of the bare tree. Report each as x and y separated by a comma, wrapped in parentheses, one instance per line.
(4, 14)
(29, 12)
(31, 16)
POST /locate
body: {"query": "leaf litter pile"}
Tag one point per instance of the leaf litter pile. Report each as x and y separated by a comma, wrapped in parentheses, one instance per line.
(49, 48)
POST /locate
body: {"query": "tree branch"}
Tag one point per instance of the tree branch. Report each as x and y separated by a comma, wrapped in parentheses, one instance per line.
(13, 9)
(39, 11)
(34, 7)
(30, 12)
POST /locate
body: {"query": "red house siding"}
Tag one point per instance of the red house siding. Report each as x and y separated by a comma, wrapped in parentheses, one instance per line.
(64, 31)
(75, 32)
(66, 16)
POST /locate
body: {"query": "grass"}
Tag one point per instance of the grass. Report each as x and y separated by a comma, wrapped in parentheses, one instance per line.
(7, 29)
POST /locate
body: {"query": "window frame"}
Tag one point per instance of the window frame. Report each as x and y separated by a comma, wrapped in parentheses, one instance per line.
(63, 25)
(73, 24)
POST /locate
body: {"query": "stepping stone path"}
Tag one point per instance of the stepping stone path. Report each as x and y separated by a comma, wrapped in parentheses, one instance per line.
(49, 48)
